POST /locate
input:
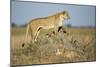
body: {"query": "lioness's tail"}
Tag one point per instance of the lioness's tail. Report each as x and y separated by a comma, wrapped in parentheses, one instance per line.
(27, 31)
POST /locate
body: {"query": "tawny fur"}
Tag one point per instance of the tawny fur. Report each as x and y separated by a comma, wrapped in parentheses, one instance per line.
(53, 21)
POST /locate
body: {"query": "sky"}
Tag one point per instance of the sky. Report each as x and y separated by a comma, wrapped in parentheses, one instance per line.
(81, 15)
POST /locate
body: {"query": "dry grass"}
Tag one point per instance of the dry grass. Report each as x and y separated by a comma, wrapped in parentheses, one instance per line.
(79, 45)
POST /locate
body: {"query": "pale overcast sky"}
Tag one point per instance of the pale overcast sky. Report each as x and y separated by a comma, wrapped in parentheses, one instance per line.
(23, 12)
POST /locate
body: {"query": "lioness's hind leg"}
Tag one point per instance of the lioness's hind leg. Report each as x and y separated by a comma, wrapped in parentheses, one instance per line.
(55, 30)
(37, 34)
(34, 34)
(33, 31)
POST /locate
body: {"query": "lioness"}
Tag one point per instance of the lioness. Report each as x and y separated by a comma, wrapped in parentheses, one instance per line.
(53, 21)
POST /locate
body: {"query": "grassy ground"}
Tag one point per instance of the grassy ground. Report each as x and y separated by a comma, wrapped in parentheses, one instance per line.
(79, 45)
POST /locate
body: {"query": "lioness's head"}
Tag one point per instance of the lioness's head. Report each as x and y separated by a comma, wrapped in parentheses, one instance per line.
(66, 15)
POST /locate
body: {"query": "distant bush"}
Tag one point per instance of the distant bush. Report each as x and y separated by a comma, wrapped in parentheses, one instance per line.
(69, 25)
(13, 25)
(24, 25)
